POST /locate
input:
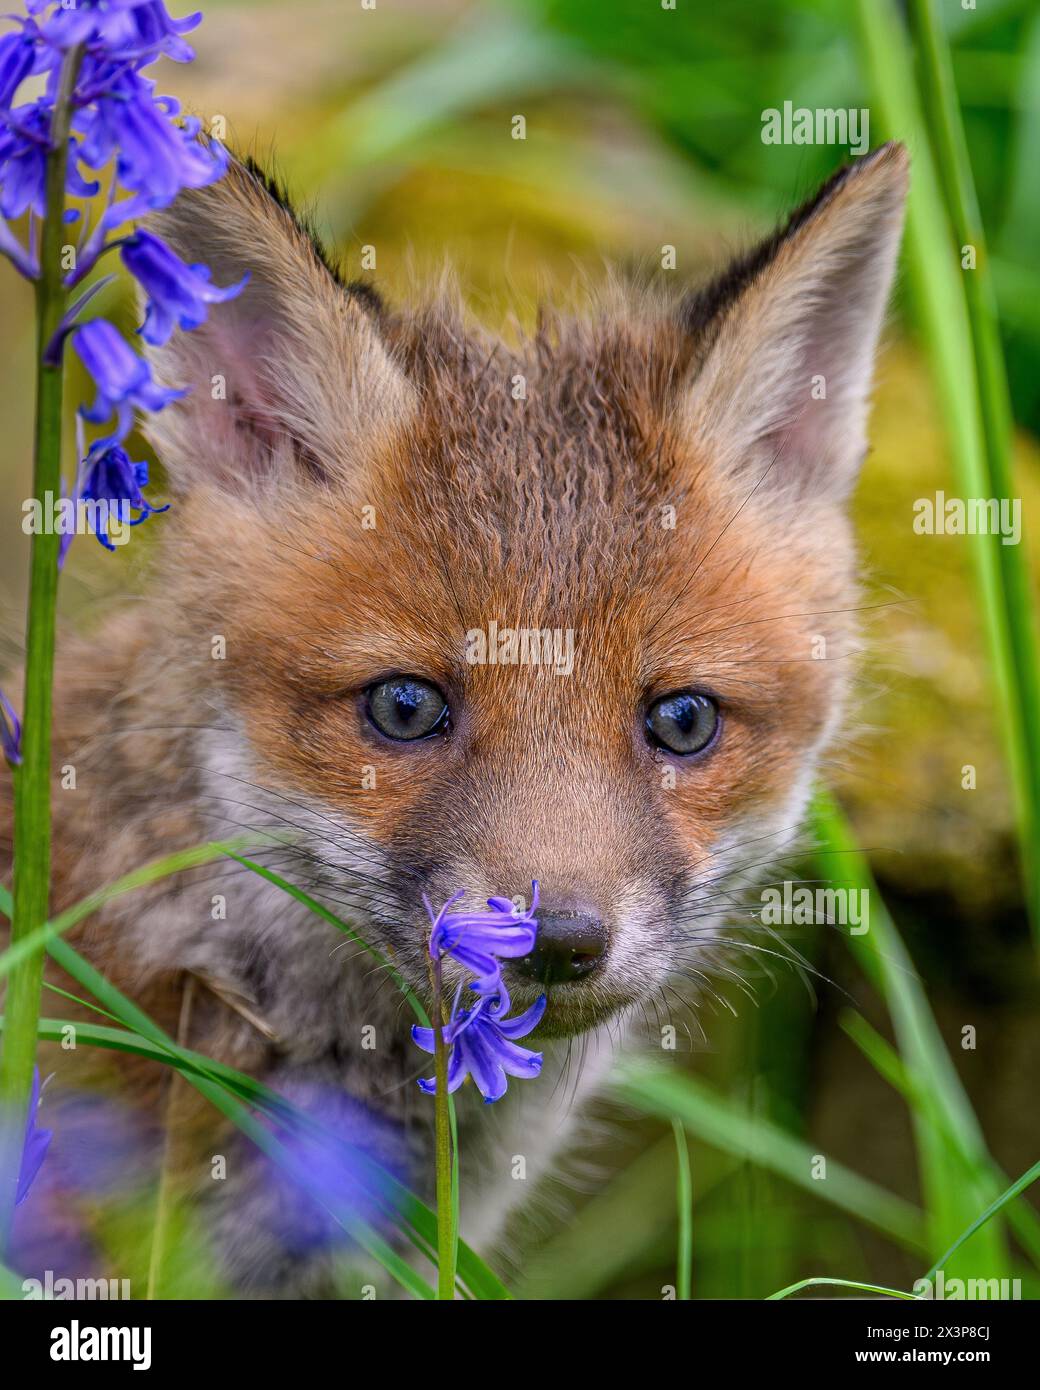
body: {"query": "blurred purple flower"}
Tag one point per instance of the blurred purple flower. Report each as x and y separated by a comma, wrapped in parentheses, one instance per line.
(124, 380)
(478, 940)
(10, 731)
(482, 1044)
(178, 294)
(102, 1147)
(37, 1142)
(339, 1152)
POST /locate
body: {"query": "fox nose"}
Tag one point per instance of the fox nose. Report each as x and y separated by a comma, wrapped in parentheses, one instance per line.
(569, 945)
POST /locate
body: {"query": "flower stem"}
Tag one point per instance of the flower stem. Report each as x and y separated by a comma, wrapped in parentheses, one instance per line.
(442, 1131)
(32, 809)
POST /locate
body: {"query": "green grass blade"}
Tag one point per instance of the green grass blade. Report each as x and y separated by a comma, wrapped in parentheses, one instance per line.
(627, 1227)
(320, 910)
(228, 1104)
(1022, 679)
(138, 878)
(840, 1284)
(968, 374)
(684, 1201)
(882, 1056)
(956, 1169)
(718, 1122)
(1007, 1196)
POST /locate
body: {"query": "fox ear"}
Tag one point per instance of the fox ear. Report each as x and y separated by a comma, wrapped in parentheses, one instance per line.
(790, 333)
(290, 379)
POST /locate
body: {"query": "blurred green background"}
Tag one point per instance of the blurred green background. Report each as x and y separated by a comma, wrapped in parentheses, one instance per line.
(643, 128)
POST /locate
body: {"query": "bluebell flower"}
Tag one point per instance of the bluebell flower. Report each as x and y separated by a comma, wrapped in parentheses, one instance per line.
(10, 731)
(482, 1044)
(124, 380)
(34, 1149)
(178, 294)
(155, 156)
(111, 476)
(131, 30)
(478, 940)
(145, 27)
(19, 55)
(23, 162)
(116, 116)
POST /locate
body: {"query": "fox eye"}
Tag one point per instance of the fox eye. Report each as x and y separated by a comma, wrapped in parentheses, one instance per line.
(406, 708)
(683, 722)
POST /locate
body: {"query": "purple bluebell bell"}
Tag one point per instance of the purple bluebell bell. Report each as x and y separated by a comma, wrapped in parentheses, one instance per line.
(23, 162)
(178, 294)
(479, 940)
(124, 380)
(111, 476)
(34, 1149)
(18, 57)
(482, 1044)
(10, 731)
(481, 1040)
(155, 155)
(130, 30)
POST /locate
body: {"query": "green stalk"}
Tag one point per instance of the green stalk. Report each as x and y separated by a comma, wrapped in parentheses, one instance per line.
(957, 318)
(32, 806)
(684, 1199)
(442, 1124)
(943, 118)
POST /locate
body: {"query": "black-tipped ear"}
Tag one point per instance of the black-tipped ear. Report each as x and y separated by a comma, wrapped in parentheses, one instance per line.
(289, 379)
(791, 330)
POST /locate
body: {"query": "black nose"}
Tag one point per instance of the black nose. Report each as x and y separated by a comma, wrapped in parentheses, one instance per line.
(569, 946)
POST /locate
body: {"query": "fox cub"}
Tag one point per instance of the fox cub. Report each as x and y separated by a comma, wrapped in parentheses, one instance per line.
(649, 541)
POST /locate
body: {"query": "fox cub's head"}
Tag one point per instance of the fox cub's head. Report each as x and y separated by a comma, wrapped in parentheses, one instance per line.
(574, 610)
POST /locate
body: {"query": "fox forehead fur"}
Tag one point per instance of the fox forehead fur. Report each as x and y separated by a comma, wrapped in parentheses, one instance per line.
(668, 485)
